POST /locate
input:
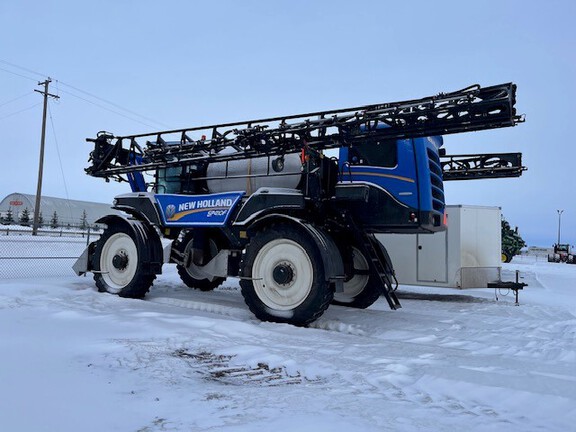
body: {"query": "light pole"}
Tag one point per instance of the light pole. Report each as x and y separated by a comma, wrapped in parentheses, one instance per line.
(559, 217)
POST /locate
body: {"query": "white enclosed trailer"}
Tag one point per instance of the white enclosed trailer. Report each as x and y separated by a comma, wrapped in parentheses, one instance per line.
(466, 255)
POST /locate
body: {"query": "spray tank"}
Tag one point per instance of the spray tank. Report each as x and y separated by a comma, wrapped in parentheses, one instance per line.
(251, 174)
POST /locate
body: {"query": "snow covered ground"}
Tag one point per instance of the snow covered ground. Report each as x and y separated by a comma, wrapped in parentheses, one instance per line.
(74, 360)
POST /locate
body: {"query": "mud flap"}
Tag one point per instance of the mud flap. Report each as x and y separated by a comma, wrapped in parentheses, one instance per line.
(82, 264)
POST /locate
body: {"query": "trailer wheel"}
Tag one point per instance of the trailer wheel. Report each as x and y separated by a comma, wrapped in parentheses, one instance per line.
(117, 264)
(190, 274)
(283, 277)
(361, 290)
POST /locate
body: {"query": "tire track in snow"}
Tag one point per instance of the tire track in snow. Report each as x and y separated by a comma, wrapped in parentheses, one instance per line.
(242, 313)
(421, 355)
(202, 307)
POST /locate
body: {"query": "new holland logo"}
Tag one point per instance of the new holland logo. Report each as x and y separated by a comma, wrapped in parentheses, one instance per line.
(170, 211)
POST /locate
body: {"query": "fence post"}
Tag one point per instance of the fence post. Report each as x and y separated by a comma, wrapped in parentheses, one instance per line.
(88, 237)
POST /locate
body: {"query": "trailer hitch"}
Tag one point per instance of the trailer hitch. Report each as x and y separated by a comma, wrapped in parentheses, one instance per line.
(514, 286)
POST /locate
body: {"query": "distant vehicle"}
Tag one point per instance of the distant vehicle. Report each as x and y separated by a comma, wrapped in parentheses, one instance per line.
(562, 253)
(512, 242)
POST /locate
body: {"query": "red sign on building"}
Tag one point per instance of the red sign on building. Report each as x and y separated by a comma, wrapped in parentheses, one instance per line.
(16, 203)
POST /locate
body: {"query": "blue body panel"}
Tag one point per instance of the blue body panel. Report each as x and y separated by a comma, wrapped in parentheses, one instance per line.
(429, 171)
(197, 210)
(136, 179)
(415, 181)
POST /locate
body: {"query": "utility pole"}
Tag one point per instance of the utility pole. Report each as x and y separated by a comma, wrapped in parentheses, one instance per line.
(41, 163)
(559, 217)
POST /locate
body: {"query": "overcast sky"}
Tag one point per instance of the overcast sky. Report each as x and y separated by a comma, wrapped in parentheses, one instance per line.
(184, 63)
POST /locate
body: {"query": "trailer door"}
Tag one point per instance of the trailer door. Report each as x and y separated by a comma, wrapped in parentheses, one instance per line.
(432, 257)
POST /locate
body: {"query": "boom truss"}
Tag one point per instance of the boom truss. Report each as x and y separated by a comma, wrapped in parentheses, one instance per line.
(471, 109)
(482, 166)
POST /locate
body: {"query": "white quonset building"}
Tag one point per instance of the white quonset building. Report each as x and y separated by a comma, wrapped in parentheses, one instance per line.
(69, 212)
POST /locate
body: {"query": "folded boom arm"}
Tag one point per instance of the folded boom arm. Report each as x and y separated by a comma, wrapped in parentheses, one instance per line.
(471, 109)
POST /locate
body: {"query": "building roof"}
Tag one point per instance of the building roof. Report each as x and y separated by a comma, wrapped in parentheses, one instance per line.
(68, 211)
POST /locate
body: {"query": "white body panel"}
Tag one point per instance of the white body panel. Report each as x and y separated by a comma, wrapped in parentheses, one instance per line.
(466, 255)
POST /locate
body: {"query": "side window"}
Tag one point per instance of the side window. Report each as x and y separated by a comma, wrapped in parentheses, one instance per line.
(168, 180)
(383, 153)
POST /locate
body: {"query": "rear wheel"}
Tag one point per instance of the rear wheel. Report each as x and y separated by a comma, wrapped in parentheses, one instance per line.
(117, 264)
(284, 278)
(361, 290)
(190, 273)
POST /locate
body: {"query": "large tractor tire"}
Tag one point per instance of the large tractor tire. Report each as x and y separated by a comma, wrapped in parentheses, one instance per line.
(190, 274)
(283, 276)
(361, 290)
(117, 264)
(506, 257)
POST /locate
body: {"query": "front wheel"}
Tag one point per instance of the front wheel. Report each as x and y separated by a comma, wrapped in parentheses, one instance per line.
(283, 277)
(117, 264)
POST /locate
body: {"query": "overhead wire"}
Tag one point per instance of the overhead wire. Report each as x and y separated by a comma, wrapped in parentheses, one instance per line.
(15, 99)
(17, 74)
(112, 103)
(59, 158)
(23, 68)
(105, 108)
(20, 111)
(91, 95)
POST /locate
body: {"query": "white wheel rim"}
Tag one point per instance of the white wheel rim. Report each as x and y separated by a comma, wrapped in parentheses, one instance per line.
(356, 285)
(288, 253)
(117, 278)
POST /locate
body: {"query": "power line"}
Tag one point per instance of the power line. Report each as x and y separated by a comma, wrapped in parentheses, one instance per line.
(23, 68)
(107, 109)
(17, 74)
(15, 99)
(112, 103)
(58, 153)
(30, 71)
(22, 110)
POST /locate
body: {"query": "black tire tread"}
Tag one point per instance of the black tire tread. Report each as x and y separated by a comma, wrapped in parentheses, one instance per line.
(369, 295)
(315, 305)
(141, 283)
(200, 284)
(189, 280)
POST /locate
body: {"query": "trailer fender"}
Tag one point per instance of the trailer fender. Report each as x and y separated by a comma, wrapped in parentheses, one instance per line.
(146, 238)
(331, 258)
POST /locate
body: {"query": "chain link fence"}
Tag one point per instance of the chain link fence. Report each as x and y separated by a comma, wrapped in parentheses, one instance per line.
(48, 254)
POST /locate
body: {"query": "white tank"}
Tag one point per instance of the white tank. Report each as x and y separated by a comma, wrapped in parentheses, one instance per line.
(251, 174)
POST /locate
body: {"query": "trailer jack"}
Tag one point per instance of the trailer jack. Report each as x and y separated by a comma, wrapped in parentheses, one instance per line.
(514, 286)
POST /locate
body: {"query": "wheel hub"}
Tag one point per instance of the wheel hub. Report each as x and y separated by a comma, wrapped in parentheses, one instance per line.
(120, 260)
(283, 274)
